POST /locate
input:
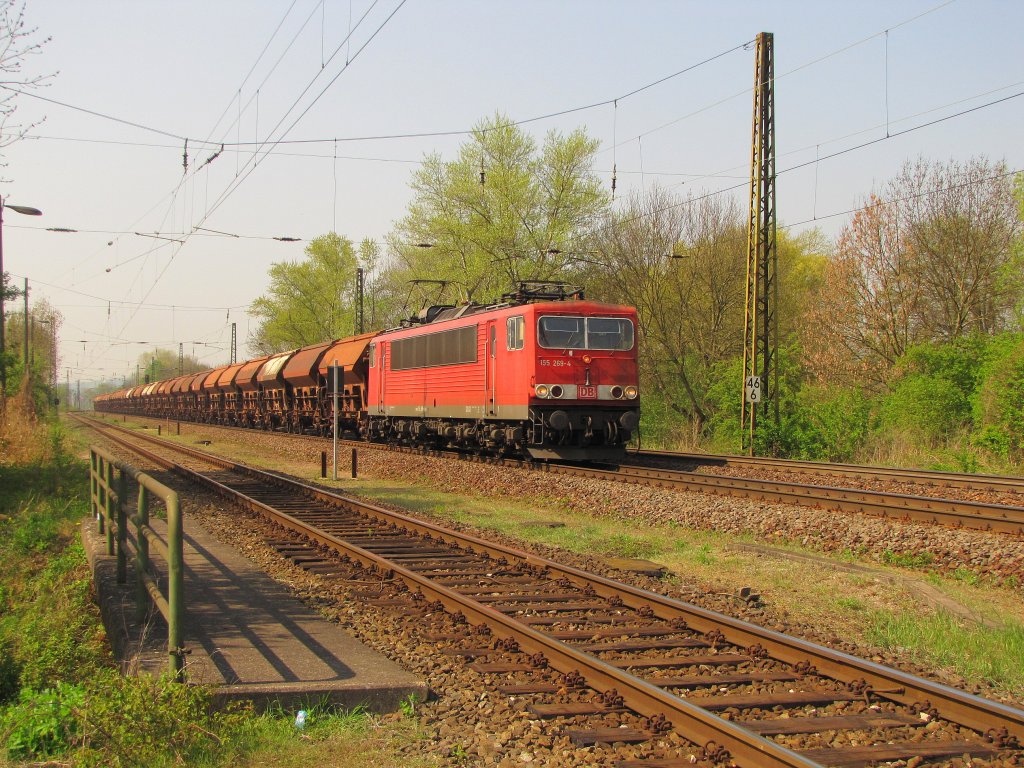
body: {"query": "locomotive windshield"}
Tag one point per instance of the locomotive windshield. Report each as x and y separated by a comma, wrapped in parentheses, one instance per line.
(561, 332)
(609, 333)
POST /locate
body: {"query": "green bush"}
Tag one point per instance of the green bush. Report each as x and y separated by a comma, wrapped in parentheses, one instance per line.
(923, 405)
(833, 423)
(129, 721)
(824, 423)
(37, 532)
(43, 723)
(659, 424)
(998, 405)
(723, 406)
(932, 388)
(118, 721)
(10, 674)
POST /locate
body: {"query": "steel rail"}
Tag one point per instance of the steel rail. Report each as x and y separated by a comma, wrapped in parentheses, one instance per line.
(954, 513)
(919, 476)
(957, 706)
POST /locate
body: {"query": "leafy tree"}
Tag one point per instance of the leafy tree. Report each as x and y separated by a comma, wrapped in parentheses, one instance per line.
(487, 235)
(682, 263)
(162, 364)
(10, 289)
(311, 300)
(688, 306)
(963, 221)
(44, 327)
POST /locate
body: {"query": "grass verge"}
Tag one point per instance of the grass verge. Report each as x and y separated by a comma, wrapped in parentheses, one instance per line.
(977, 653)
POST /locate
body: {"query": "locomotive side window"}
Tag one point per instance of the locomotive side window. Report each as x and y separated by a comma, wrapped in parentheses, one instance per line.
(560, 332)
(444, 348)
(514, 338)
(373, 355)
(609, 333)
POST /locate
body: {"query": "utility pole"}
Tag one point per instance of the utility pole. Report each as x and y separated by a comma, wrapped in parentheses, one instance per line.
(27, 211)
(54, 375)
(78, 395)
(181, 358)
(234, 343)
(67, 390)
(359, 300)
(761, 322)
(26, 326)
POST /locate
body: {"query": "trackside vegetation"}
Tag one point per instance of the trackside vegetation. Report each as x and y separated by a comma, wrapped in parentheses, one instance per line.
(62, 700)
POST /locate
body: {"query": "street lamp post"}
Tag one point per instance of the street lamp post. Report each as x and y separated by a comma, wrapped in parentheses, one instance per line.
(27, 211)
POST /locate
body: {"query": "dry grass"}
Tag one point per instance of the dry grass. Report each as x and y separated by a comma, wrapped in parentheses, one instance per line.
(22, 438)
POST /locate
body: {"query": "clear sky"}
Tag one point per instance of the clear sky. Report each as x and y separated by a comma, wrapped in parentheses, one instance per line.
(194, 69)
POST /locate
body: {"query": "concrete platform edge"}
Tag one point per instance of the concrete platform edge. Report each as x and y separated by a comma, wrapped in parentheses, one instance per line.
(129, 642)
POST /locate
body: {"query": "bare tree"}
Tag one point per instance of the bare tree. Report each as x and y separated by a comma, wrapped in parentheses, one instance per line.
(869, 305)
(689, 307)
(933, 257)
(18, 43)
(961, 225)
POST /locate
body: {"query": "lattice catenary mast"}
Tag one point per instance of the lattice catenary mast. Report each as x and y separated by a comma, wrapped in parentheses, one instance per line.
(761, 322)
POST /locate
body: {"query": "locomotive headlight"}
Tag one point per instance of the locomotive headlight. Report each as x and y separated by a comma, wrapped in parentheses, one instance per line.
(542, 390)
(587, 359)
(631, 392)
(556, 391)
(617, 392)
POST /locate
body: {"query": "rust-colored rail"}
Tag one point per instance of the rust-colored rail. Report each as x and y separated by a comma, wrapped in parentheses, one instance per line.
(427, 557)
(954, 513)
(1007, 483)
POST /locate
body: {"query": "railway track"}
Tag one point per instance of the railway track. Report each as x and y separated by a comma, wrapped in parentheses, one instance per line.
(953, 513)
(581, 649)
(857, 471)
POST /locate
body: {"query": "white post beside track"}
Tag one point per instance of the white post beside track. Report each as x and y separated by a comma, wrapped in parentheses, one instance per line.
(335, 370)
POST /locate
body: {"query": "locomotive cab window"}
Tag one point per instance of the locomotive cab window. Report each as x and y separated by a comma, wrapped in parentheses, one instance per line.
(373, 355)
(607, 333)
(560, 332)
(514, 327)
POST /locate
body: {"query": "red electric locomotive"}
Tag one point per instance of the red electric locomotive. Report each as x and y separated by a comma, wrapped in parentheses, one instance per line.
(544, 374)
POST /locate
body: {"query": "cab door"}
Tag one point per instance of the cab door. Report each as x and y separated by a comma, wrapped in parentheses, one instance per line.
(381, 368)
(490, 367)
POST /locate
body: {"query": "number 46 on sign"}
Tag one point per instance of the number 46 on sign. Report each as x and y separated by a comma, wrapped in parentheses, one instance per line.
(754, 390)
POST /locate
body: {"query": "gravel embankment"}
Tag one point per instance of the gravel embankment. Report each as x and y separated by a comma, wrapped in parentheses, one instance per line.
(996, 557)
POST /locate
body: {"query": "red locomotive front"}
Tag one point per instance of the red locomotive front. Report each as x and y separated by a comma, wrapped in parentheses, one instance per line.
(549, 379)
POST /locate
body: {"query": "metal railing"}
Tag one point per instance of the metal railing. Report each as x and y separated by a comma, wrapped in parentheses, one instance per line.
(108, 482)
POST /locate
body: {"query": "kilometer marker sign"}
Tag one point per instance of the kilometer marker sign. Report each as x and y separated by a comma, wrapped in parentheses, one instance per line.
(753, 389)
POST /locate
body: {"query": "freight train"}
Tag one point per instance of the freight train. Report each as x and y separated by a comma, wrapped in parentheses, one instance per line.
(543, 374)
